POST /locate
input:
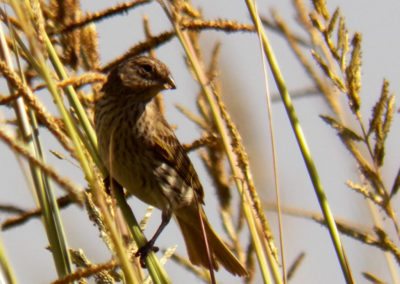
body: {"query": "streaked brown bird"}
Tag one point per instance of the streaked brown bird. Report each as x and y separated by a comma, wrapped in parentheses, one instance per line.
(142, 154)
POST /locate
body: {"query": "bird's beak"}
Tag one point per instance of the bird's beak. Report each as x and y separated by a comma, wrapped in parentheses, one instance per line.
(170, 83)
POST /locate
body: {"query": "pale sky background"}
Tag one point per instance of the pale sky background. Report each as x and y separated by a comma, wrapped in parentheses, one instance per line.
(243, 84)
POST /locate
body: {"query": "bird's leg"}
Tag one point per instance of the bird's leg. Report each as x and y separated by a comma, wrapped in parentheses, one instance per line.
(107, 181)
(110, 184)
(149, 246)
(107, 184)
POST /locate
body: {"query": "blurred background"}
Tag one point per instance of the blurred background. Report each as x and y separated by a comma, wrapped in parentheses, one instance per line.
(244, 93)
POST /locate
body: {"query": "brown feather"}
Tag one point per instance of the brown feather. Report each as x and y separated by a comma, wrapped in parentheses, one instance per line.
(190, 226)
(171, 152)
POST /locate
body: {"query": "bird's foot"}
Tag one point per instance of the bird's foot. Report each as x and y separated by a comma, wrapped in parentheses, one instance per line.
(144, 251)
(107, 185)
(111, 184)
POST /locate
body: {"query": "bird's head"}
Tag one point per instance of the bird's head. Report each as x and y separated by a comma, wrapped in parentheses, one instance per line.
(140, 77)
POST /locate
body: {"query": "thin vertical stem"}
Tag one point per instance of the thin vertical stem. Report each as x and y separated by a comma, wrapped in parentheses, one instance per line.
(6, 269)
(312, 170)
(274, 158)
(52, 219)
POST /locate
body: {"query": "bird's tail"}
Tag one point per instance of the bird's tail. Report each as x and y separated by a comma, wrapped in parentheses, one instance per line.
(189, 223)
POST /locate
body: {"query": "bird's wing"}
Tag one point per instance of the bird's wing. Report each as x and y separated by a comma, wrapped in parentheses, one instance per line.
(170, 151)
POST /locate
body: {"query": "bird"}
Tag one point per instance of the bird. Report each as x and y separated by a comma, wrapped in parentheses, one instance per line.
(141, 152)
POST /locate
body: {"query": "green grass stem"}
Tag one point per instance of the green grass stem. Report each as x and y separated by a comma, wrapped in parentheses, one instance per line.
(43, 189)
(301, 140)
(6, 268)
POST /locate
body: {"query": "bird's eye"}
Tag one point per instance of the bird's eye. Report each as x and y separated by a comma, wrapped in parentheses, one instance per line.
(147, 68)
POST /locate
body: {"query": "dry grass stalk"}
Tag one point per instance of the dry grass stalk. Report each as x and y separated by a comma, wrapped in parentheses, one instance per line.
(6, 100)
(77, 81)
(295, 265)
(11, 209)
(27, 215)
(43, 115)
(243, 162)
(201, 274)
(372, 278)
(96, 270)
(96, 216)
(250, 263)
(98, 16)
(375, 237)
(320, 81)
(65, 183)
(105, 275)
(347, 78)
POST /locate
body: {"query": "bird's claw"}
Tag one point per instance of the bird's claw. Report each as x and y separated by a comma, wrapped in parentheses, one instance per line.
(144, 251)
